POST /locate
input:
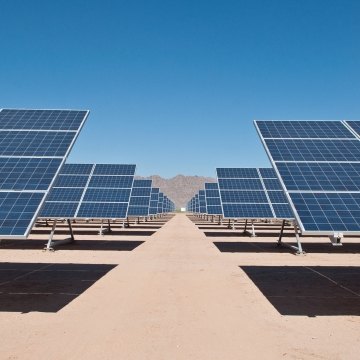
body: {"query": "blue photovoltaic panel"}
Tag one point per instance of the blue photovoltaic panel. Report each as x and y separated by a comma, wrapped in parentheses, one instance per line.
(115, 182)
(27, 173)
(107, 195)
(320, 176)
(102, 210)
(314, 150)
(140, 198)
(77, 169)
(211, 186)
(240, 184)
(101, 195)
(252, 197)
(65, 194)
(71, 181)
(319, 169)
(355, 125)
(153, 209)
(303, 129)
(247, 211)
(67, 120)
(59, 209)
(31, 143)
(33, 147)
(114, 169)
(239, 173)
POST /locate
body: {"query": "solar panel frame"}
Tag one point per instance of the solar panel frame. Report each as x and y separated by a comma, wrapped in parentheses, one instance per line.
(75, 131)
(352, 137)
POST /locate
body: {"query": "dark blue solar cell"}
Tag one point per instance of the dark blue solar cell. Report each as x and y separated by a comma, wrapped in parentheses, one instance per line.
(155, 190)
(155, 196)
(243, 173)
(27, 174)
(331, 212)
(114, 169)
(233, 196)
(107, 195)
(321, 176)
(214, 210)
(142, 183)
(111, 181)
(103, 210)
(141, 192)
(138, 211)
(76, 169)
(355, 125)
(303, 129)
(139, 201)
(268, 173)
(277, 197)
(65, 194)
(272, 184)
(71, 181)
(41, 119)
(59, 210)
(153, 210)
(213, 201)
(211, 186)
(212, 193)
(283, 211)
(240, 184)
(314, 150)
(31, 143)
(247, 211)
(17, 209)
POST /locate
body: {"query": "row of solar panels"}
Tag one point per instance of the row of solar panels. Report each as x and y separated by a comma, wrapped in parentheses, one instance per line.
(246, 193)
(34, 145)
(103, 191)
(315, 163)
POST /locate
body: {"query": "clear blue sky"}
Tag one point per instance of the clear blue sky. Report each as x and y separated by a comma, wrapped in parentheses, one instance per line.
(173, 86)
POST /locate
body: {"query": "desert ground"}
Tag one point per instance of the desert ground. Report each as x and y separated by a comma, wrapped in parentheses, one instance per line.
(179, 288)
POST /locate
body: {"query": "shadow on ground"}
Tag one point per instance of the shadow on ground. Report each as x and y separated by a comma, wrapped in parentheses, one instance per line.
(266, 247)
(309, 290)
(42, 287)
(100, 245)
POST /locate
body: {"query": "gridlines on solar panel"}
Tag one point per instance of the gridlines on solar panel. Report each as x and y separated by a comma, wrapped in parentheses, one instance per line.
(139, 204)
(153, 209)
(212, 196)
(33, 147)
(319, 168)
(248, 197)
(103, 192)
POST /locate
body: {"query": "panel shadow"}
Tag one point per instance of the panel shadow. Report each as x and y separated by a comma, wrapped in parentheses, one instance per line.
(309, 290)
(98, 245)
(44, 287)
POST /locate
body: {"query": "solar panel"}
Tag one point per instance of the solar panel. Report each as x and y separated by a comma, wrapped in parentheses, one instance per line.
(140, 198)
(99, 191)
(212, 196)
(318, 163)
(33, 146)
(154, 199)
(251, 193)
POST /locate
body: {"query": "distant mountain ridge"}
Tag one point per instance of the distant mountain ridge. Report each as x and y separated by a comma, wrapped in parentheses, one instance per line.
(179, 188)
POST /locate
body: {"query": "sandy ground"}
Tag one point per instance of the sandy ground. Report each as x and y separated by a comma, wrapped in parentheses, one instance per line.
(180, 296)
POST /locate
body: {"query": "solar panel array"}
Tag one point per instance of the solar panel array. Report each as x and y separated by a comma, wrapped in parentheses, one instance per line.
(251, 193)
(318, 163)
(154, 199)
(140, 198)
(212, 198)
(33, 146)
(100, 191)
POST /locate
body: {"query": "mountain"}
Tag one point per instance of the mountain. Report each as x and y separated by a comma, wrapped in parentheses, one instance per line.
(180, 188)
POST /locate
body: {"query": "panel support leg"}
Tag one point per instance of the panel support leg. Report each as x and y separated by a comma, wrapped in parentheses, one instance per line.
(50, 246)
(298, 249)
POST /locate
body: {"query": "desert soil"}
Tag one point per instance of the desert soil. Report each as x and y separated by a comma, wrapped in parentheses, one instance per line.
(177, 296)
